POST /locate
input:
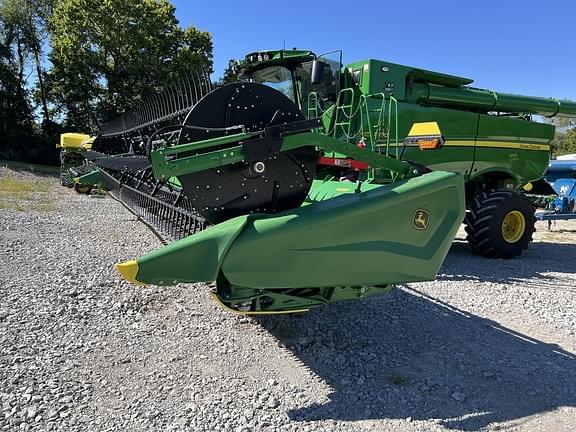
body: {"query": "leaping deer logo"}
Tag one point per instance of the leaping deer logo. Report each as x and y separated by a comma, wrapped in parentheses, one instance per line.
(420, 219)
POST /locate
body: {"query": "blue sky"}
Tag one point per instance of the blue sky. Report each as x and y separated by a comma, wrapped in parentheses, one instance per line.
(524, 47)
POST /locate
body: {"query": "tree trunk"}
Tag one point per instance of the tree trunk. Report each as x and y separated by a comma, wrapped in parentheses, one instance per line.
(42, 89)
(35, 47)
(20, 52)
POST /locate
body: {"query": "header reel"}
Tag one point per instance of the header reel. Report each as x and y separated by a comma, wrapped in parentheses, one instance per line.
(266, 180)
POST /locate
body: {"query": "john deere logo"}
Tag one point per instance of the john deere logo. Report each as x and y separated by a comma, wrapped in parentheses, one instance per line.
(420, 219)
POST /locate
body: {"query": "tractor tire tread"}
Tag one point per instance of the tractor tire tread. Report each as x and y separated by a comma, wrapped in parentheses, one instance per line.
(484, 223)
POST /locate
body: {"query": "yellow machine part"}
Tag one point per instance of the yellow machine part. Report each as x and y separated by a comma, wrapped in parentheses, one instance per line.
(74, 140)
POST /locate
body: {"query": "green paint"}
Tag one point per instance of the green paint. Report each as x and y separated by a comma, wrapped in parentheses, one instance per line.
(343, 247)
(164, 166)
(90, 179)
(193, 259)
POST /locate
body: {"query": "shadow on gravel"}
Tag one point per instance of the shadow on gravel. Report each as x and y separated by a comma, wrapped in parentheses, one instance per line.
(540, 258)
(410, 356)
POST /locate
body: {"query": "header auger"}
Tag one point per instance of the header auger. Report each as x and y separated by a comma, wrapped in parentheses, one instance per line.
(326, 183)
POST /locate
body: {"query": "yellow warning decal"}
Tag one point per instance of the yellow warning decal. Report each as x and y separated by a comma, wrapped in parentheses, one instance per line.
(424, 129)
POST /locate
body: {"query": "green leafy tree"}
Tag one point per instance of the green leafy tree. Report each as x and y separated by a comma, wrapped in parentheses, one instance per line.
(25, 24)
(20, 139)
(15, 112)
(565, 138)
(108, 55)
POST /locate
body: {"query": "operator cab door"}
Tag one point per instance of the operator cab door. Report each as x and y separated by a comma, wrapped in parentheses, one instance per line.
(318, 97)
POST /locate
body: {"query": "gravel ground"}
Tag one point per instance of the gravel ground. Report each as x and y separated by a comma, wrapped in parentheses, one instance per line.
(489, 345)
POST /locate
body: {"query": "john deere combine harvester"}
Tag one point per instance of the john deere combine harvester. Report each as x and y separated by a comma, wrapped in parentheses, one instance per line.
(325, 183)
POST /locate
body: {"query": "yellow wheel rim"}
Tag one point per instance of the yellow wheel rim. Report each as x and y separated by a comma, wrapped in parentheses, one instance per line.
(513, 226)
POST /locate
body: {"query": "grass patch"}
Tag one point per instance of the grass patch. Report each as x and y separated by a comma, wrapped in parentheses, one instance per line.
(45, 207)
(19, 189)
(24, 195)
(10, 205)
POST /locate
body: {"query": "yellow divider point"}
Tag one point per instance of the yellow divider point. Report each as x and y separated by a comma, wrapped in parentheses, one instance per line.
(129, 270)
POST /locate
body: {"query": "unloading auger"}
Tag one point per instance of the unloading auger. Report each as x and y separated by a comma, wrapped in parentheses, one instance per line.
(287, 233)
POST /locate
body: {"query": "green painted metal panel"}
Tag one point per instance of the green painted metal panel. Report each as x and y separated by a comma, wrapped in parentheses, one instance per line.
(509, 128)
(354, 239)
(193, 259)
(514, 146)
(460, 126)
(92, 178)
(323, 190)
(175, 182)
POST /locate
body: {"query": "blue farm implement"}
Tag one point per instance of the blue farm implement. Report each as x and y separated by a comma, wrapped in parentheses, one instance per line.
(561, 175)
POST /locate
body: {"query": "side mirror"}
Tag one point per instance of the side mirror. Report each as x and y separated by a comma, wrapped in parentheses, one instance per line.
(317, 72)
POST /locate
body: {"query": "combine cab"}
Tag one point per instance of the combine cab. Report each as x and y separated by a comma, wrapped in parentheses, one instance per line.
(319, 183)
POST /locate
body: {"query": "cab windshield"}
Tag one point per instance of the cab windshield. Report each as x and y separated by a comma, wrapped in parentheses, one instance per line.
(296, 83)
(277, 77)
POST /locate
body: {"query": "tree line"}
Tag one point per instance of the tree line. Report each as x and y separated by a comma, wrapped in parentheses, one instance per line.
(70, 65)
(565, 139)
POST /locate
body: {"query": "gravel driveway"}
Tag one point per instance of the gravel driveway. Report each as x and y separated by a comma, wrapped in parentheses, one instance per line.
(489, 345)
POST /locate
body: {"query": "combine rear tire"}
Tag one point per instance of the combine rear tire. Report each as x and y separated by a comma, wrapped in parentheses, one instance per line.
(500, 224)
